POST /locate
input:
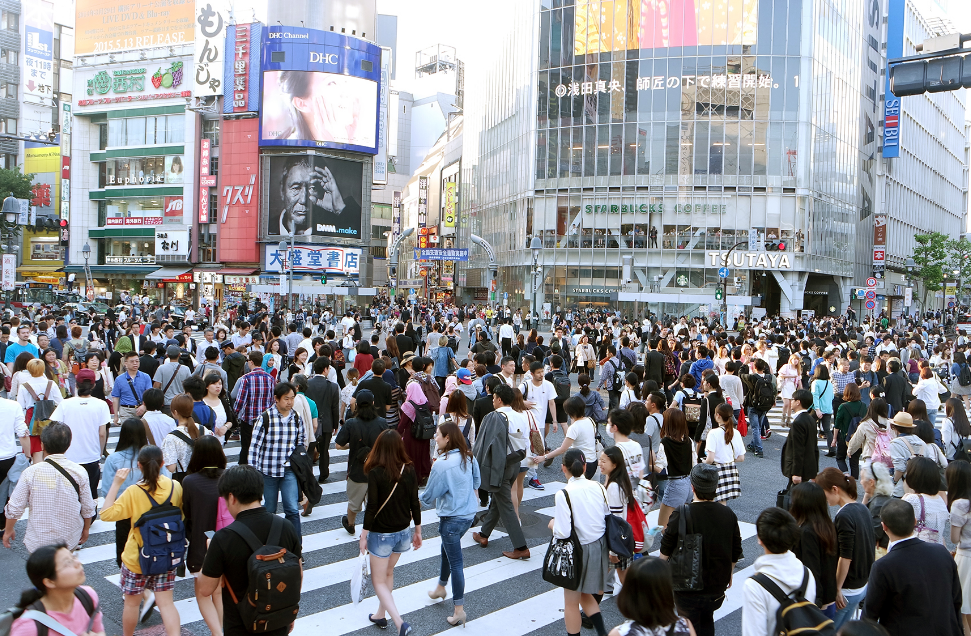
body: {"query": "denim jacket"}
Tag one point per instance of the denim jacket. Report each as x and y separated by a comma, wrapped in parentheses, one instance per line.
(452, 488)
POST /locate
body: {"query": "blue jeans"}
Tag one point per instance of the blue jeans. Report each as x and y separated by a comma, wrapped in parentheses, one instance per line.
(845, 614)
(287, 486)
(932, 416)
(756, 420)
(451, 530)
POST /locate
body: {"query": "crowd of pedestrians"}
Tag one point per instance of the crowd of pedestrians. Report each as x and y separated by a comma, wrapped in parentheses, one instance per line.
(655, 415)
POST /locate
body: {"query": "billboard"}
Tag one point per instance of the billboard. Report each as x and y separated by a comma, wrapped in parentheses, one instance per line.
(891, 104)
(314, 258)
(44, 162)
(648, 24)
(320, 89)
(103, 26)
(209, 50)
(160, 80)
(315, 196)
(38, 78)
(242, 76)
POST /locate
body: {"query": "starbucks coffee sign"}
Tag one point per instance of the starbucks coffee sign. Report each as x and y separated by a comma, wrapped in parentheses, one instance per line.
(656, 208)
(751, 260)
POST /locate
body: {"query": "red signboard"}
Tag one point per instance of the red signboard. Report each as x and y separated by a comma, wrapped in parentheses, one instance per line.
(181, 278)
(173, 210)
(65, 167)
(238, 209)
(204, 181)
(879, 254)
(241, 69)
(204, 158)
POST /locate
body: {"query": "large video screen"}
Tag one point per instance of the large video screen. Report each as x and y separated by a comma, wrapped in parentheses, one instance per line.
(655, 24)
(320, 90)
(319, 109)
(315, 196)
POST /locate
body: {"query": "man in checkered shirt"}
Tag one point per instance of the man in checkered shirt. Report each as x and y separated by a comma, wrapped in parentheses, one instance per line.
(841, 377)
(253, 397)
(276, 433)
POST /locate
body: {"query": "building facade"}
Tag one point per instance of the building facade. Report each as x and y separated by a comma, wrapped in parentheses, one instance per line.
(642, 145)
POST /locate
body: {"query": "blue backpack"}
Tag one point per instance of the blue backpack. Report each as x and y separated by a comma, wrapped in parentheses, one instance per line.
(163, 537)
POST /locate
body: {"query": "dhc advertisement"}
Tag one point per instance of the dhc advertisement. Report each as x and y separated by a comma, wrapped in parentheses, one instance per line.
(320, 90)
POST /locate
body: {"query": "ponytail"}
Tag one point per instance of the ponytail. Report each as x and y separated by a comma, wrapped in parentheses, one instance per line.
(725, 412)
(830, 477)
(584, 381)
(150, 462)
(575, 462)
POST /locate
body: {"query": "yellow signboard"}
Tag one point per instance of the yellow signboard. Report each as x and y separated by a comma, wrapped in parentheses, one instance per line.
(45, 164)
(449, 220)
(105, 26)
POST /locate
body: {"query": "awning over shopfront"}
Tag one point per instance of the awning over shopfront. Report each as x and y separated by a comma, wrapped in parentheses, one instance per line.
(168, 272)
(237, 271)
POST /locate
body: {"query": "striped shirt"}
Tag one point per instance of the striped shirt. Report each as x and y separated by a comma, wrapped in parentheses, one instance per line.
(255, 395)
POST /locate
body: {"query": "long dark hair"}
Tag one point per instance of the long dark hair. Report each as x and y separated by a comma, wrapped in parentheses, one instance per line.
(958, 475)
(388, 453)
(619, 474)
(150, 461)
(41, 565)
(207, 458)
(648, 593)
(954, 409)
(456, 441)
(808, 506)
(132, 435)
(877, 409)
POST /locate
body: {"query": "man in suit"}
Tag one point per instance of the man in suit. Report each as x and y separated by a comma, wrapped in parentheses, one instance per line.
(801, 460)
(327, 397)
(915, 588)
(654, 364)
(405, 343)
(147, 361)
(897, 389)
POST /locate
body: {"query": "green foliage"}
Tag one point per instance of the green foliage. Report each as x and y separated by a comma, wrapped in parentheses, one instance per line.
(931, 258)
(960, 261)
(13, 181)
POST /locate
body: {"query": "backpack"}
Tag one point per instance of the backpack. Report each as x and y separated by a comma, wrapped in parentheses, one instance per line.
(796, 615)
(619, 376)
(561, 382)
(670, 366)
(627, 362)
(38, 416)
(337, 361)
(763, 395)
(881, 449)
(964, 374)
(163, 536)
(272, 597)
(453, 344)
(37, 613)
(691, 405)
(423, 425)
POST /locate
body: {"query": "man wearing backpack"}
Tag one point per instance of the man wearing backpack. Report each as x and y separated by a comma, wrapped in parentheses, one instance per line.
(915, 588)
(228, 555)
(760, 398)
(780, 577)
(612, 377)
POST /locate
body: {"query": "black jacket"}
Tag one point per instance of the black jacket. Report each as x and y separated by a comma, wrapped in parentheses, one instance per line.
(482, 407)
(898, 391)
(327, 396)
(800, 453)
(654, 367)
(915, 589)
(303, 468)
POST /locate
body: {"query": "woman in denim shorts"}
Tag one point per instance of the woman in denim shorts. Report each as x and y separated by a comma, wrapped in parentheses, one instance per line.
(392, 504)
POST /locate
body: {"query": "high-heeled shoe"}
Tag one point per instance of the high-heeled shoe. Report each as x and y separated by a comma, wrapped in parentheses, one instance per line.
(457, 619)
(432, 595)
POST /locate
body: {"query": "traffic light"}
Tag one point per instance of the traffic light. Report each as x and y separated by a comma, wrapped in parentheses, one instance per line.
(718, 293)
(775, 246)
(323, 278)
(65, 232)
(930, 76)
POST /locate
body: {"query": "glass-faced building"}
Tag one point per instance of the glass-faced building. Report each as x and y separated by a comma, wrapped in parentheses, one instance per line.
(640, 140)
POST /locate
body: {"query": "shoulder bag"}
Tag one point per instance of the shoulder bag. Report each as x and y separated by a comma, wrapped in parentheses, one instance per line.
(620, 535)
(564, 557)
(686, 559)
(393, 488)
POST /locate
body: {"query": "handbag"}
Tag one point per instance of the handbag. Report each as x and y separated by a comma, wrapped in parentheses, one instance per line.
(686, 559)
(620, 535)
(742, 425)
(535, 439)
(638, 524)
(782, 498)
(561, 565)
(923, 532)
(360, 577)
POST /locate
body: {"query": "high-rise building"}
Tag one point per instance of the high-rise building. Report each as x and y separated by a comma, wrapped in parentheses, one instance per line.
(640, 144)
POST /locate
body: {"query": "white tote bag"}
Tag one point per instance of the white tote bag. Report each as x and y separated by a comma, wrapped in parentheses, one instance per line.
(359, 578)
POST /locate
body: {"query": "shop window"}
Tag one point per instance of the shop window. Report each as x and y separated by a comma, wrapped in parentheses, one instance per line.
(144, 170)
(9, 56)
(10, 21)
(210, 131)
(44, 249)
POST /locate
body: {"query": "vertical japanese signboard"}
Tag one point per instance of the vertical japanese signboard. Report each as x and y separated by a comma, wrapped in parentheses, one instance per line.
(204, 152)
(241, 65)
(380, 175)
(9, 272)
(422, 211)
(38, 77)
(879, 248)
(396, 214)
(66, 124)
(449, 217)
(209, 50)
(891, 107)
(241, 77)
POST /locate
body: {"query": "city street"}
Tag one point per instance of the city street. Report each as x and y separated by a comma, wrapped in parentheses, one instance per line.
(502, 596)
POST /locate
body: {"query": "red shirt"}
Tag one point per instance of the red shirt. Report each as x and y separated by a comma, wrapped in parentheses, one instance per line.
(362, 362)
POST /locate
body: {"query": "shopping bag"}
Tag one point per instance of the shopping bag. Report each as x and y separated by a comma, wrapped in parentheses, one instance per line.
(359, 578)
(742, 425)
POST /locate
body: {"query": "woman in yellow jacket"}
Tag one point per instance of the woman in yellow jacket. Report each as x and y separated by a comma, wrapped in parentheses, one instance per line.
(132, 505)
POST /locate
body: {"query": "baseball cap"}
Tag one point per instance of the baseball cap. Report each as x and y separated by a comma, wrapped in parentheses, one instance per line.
(86, 375)
(173, 351)
(226, 343)
(464, 376)
(364, 396)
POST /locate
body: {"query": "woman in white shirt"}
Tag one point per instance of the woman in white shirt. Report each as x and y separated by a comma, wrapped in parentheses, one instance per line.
(582, 506)
(176, 451)
(928, 389)
(955, 426)
(629, 394)
(723, 358)
(923, 483)
(214, 387)
(581, 434)
(585, 356)
(42, 387)
(620, 494)
(723, 449)
(788, 379)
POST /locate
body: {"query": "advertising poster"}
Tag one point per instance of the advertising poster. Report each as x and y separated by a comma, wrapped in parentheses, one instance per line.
(38, 78)
(44, 162)
(315, 196)
(320, 90)
(449, 217)
(174, 169)
(102, 26)
(314, 258)
(133, 84)
(209, 51)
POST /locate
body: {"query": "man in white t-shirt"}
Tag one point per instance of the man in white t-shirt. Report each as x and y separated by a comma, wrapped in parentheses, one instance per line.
(159, 423)
(507, 370)
(506, 334)
(88, 419)
(540, 398)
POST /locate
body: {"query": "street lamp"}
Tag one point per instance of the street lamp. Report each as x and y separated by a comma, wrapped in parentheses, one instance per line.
(11, 213)
(536, 246)
(86, 253)
(283, 248)
(910, 264)
(957, 290)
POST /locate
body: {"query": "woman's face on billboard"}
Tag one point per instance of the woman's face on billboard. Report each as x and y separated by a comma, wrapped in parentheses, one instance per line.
(330, 109)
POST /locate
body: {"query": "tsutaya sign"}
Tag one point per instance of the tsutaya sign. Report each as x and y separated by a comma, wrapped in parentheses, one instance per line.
(773, 260)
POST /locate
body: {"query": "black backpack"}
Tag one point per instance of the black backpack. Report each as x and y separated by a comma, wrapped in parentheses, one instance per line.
(561, 382)
(619, 376)
(763, 395)
(423, 424)
(964, 375)
(796, 615)
(273, 590)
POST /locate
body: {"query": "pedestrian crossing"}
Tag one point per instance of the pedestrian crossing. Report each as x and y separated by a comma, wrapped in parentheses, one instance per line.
(330, 554)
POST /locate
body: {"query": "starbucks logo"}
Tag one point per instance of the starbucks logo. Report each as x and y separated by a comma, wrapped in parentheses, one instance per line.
(682, 280)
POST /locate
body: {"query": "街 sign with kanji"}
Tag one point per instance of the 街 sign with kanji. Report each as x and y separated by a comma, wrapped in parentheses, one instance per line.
(313, 258)
(38, 77)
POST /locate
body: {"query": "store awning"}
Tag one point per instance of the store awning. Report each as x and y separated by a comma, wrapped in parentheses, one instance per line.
(167, 272)
(237, 271)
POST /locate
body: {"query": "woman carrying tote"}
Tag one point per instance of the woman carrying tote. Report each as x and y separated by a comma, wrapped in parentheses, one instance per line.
(582, 506)
(724, 448)
(392, 504)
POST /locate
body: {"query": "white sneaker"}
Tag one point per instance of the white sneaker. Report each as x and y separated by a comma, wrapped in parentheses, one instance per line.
(147, 605)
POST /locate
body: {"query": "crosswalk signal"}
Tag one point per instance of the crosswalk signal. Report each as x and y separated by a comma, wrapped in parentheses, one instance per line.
(64, 231)
(323, 278)
(775, 246)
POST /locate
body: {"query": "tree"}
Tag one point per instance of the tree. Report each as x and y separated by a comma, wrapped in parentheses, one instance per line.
(931, 258)
(19, 184)
(960, 261)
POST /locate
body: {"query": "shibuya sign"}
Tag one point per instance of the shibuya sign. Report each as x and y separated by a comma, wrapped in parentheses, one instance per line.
(767, 260)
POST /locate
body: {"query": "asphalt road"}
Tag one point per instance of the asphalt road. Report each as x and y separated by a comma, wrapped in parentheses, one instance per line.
(502, 596)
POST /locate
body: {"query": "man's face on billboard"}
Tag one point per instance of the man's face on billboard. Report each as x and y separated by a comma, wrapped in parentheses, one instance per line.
(296, 196)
